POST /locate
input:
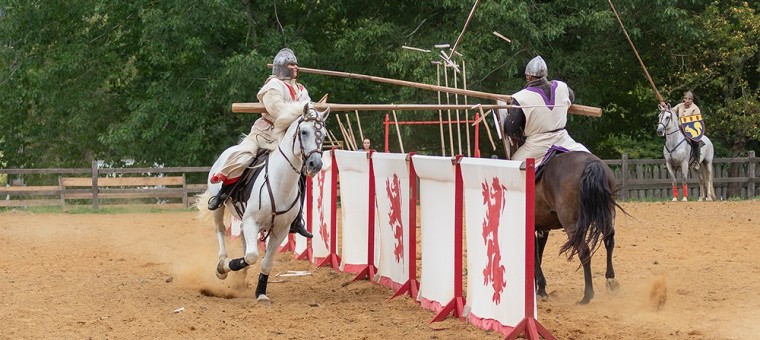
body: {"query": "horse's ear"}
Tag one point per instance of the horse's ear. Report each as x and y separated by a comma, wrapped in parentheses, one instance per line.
(306, 108)
(326, 113)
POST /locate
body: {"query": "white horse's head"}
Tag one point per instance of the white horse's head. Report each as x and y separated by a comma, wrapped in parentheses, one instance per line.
(310, 135)
(664, 121)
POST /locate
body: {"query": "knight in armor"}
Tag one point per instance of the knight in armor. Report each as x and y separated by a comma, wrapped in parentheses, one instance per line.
(539, 114)
(281, 96)
(688, 108)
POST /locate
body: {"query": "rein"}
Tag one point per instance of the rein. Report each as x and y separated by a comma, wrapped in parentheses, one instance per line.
(318, 124)
(665, 127)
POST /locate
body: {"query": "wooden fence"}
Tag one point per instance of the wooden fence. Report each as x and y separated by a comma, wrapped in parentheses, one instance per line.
(648, 179)
(102, 186)
(638, 179)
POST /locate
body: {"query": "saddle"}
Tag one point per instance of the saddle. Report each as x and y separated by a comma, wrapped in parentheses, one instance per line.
(553, 151)
(241, 191)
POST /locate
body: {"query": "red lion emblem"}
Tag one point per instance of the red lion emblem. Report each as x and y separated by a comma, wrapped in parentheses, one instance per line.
(392, 187)
(493, 199)
(321, 208)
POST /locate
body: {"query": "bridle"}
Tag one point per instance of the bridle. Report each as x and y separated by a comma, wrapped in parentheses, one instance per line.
(318, 125)
(665, 125)
(665, 129)
(319, 139)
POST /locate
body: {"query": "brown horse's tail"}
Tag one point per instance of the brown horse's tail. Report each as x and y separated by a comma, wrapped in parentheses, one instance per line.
(597, 210)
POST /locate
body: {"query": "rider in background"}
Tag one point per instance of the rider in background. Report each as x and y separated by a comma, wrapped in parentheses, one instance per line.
(541, 120)
(688, 108)
(280, 94)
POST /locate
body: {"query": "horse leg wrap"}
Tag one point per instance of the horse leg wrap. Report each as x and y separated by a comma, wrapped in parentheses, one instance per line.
(261, 287)
(238, 264)
(675, 192)
(685, 190)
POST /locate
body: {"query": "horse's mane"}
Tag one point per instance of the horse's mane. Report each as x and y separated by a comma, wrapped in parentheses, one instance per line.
(286, 118)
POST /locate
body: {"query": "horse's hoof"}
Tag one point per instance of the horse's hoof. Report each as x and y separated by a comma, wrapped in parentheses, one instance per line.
(709, 199)
(684, 199)
(612, 285)
(700, 199)
(263, 299)
(674, 199)
(221, 273)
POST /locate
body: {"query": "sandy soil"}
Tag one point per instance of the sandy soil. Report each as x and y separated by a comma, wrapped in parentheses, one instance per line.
(687, 270)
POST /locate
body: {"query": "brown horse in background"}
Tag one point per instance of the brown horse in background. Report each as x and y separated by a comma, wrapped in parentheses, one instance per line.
(576, 192)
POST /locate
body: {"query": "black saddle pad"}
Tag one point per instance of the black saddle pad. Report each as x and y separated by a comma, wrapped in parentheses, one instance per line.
(241, 192)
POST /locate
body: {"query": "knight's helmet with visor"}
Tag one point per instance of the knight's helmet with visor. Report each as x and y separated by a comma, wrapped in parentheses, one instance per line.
(537, 67)
(280, 64)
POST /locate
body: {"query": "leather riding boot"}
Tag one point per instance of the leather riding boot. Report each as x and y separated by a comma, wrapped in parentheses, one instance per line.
(298, 225)
(695, 150)
(217, 201)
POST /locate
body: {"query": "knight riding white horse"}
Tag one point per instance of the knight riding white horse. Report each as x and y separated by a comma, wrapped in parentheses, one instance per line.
(272, 197)
(282, 95)
(677, 153)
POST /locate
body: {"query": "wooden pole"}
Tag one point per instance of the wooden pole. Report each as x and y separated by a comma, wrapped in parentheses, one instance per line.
(448, 102)
(359, 124)
(466, 112)
(351, 131)
(440, 112)
(398, 132)
(343, 131)
(574, 109)
(488, 129)
(466, 23)
(649, 78)
(334, 107)
(459, 130)
(343, 145)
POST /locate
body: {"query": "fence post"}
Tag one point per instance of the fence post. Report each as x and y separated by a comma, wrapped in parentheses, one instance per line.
(624, 172)
(751, 175)
(95, 184)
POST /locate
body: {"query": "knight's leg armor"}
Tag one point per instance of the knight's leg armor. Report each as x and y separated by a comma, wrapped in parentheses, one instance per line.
(299, 225)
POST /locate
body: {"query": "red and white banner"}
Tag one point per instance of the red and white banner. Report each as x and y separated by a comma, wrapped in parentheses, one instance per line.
(353, 172)
(495, 205)
(321, 200)
(392, 193)
(437, 176)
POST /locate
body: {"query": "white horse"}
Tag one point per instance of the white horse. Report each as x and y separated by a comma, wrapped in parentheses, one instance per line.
(274, 198)
(677, 152)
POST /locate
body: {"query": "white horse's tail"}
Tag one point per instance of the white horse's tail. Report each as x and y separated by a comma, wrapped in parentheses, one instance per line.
(201, 203)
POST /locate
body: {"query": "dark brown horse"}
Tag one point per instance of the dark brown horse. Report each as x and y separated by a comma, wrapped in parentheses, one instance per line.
(576, 192)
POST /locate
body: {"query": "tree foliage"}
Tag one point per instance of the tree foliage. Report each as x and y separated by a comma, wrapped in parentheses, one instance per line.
(154, 80)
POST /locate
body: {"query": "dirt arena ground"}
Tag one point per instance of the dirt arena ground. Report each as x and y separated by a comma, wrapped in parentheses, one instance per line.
(687, 271)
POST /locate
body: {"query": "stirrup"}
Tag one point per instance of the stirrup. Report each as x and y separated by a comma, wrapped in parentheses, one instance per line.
(298, 227)
(216, 201)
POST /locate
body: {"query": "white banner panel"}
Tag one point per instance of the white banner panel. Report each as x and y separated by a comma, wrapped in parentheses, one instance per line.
(494, 200)
(437, 175)
(392, 192)
(321, 201)
(353, 172)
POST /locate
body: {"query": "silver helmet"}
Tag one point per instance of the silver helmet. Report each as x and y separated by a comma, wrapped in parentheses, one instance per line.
(537, 67)
(281, 61)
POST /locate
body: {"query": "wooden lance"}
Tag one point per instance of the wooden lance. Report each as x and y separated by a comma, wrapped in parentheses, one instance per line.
(259, 107)
(577, 109)
(649, 78)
